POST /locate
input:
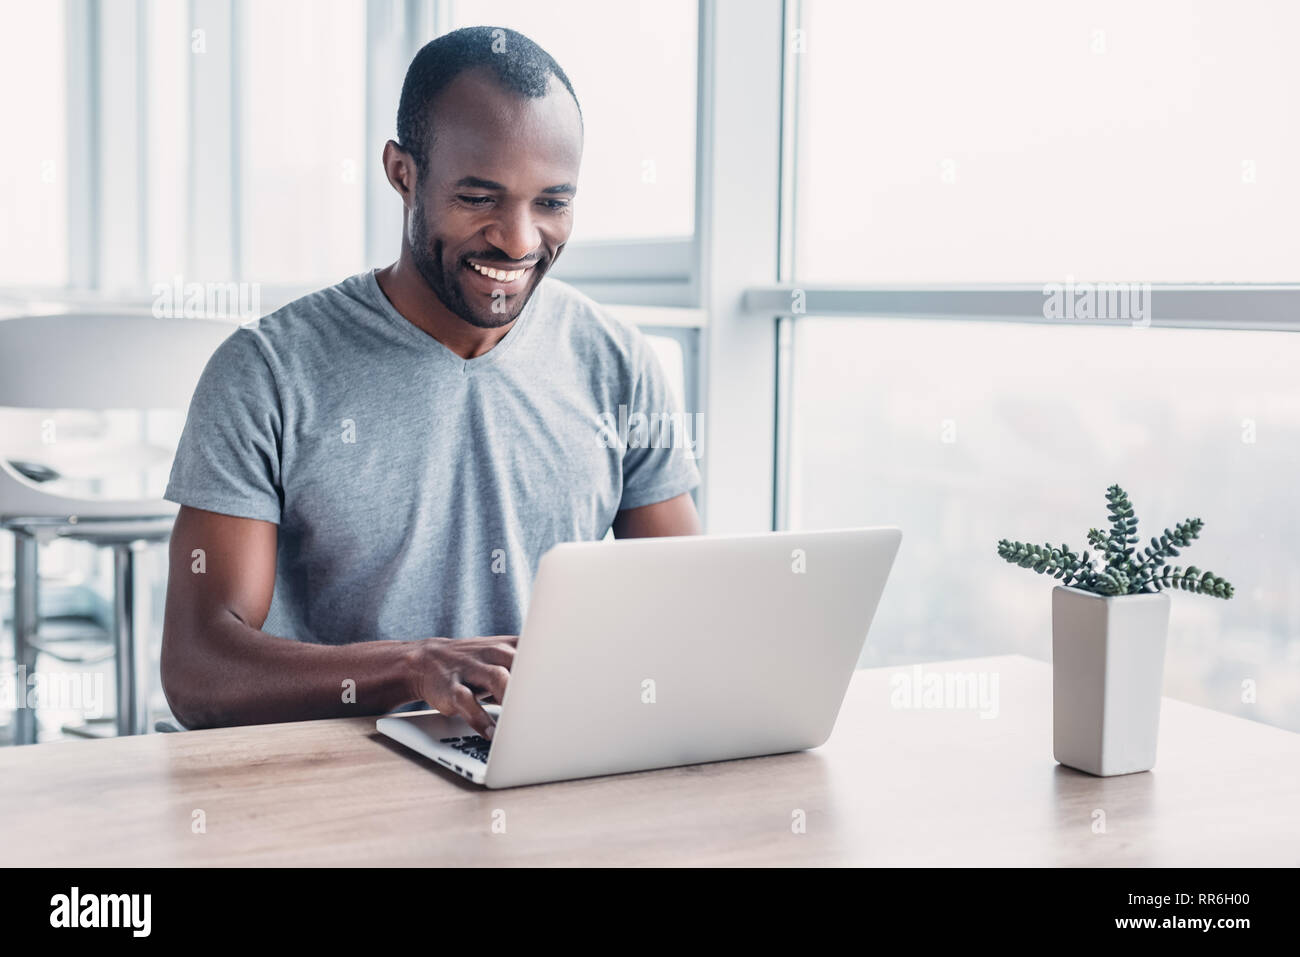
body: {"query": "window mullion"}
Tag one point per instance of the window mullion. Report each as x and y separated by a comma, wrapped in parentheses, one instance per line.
(82, 160)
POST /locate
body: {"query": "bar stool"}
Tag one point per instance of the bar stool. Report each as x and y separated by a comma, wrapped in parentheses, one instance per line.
(94, 362)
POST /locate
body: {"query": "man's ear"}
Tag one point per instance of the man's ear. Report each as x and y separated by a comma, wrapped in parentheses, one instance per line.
(399, 167)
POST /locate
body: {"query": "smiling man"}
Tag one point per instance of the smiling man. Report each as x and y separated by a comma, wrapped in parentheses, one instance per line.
(369, 476)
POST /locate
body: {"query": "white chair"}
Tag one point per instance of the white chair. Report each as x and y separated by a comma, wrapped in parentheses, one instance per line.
(93, 362)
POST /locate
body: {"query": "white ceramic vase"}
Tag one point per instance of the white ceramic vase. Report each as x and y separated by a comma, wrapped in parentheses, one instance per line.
(1108, 657)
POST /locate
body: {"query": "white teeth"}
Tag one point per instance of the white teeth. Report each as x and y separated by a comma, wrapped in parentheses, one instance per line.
(500, 275)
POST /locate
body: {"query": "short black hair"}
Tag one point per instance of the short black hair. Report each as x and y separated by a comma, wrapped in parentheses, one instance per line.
(518, 64)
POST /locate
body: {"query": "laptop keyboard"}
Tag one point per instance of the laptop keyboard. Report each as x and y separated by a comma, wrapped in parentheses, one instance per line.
(474, 745)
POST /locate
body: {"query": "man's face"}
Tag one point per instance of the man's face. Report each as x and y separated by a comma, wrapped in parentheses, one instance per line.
(497, 194)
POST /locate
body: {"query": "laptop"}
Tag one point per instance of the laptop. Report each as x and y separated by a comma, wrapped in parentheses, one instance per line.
(657, 652)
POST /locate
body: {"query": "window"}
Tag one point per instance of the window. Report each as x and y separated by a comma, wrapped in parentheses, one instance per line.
(168, 53)
(965, 432)
(633, 68)
(1021, 141)
(302, 140)
(944, 145)
(221, 140)
(34, 164)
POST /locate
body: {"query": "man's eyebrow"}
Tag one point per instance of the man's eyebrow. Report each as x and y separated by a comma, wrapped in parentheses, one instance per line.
(475, 182)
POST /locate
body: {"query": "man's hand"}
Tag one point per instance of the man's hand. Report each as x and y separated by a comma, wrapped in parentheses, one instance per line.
(453, 674)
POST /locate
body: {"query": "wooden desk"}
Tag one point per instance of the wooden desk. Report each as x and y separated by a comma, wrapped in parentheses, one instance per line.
(893, 786)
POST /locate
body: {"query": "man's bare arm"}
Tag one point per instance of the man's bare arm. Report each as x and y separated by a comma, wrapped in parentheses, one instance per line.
(677, 516)
(220, 669)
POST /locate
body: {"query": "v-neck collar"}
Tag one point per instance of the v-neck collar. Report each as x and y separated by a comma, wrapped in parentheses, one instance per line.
(426, 341)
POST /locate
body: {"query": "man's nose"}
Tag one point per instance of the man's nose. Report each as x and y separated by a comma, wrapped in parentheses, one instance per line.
(516, 234)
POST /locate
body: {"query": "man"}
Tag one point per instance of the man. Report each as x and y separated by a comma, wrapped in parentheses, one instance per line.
(369, 476)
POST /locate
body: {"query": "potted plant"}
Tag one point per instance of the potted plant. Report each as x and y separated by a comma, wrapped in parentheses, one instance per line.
(1108, 636)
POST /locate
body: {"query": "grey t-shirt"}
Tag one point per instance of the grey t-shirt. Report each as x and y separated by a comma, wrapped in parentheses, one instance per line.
(416, 491)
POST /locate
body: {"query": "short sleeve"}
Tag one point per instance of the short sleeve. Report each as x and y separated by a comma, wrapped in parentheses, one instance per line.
(228, 458)
(663, 440)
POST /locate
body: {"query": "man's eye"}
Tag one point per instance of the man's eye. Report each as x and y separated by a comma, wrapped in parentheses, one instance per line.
(555, 203)
(475, 200)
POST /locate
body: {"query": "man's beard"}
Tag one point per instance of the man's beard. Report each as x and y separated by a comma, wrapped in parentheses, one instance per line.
(429, 261)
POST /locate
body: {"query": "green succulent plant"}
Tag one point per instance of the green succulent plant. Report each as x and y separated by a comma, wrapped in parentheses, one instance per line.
(1124, 572)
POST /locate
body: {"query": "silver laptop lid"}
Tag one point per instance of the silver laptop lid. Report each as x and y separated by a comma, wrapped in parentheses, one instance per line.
(649, 653)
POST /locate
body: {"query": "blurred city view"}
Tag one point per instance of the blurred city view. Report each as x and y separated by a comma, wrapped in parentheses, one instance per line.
(965, 432)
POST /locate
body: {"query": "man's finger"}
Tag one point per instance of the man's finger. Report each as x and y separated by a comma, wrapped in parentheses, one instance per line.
(490, 678)
(498, 654)
(467, 707)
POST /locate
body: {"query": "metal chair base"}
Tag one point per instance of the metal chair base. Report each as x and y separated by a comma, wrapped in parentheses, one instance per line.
(130, 626)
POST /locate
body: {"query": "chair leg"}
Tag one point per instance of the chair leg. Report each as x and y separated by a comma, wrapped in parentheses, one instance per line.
(26, 621)
(130, 631)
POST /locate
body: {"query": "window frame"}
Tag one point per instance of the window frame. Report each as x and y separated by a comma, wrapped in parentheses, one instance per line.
(1273, 307)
